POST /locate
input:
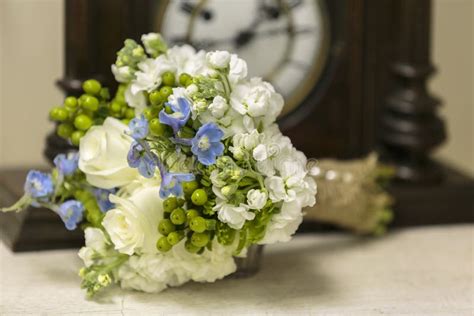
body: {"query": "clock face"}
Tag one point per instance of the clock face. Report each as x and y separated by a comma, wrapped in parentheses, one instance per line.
(283, 41)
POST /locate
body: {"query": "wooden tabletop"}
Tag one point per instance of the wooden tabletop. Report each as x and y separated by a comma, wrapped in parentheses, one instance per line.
(418, 271)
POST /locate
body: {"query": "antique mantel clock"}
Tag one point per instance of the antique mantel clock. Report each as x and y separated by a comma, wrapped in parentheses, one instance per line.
(353, 74)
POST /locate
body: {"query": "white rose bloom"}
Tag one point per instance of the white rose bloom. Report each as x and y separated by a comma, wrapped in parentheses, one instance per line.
(137, 100)
(122, 74)
(218, 107)
(284, 224)
(103, 155)
(238, 69)
(148, 77)
(256, 199)
(218, 59)
(258, 99)
(132, 225)
(234, 216)
(95, 243)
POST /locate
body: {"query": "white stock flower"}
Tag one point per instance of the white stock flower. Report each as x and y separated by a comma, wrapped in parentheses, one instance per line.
(148, 77)
(187, 60)
(218, 107)
(95, 243)
(256, 199)
(234, 216)
(122, 74)
(238, 69)
(218, 59)
(258, 99)
(103, 155)
(132, 225)
(137, 100)
(284, 224)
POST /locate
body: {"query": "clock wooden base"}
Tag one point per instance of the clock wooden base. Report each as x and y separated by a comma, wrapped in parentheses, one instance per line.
(39, 229)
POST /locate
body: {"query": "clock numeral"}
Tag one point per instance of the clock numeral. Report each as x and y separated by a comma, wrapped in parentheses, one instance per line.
(189, 8)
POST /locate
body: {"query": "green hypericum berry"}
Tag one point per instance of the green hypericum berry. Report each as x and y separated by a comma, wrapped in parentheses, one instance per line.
(115, 107)
(70, 102)
(198, 224)
(165, 92)
(126, 121)
(130, 113)
(186, 132)
(190, 187)
(168, 109)
(90, 103)
(58, 114)
(82, 122)
(192, 213)
(156, 127)
(178, 216)
(156, 98)
(168, 78)
(165, 227)
(92, 86)
(185, 79)
(104, 93)
(65, 130)
(199, 197)
(163, 245)
(188, 245)
(76, 137)
(200, 239)
(170, 204)
(175, 237)
(150, 113)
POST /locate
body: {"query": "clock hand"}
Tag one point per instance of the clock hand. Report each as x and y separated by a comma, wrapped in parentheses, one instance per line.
(206, 44)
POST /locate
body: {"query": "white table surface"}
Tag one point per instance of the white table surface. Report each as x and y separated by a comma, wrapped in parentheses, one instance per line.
(418, 271)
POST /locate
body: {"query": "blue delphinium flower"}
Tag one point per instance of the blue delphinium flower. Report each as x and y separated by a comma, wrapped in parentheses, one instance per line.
(102, 196)
(206, 145)
(142, 158)
(171, 182)
(39, 185)
(67, 164)
(71, 213)
(181, 113)
(139, 127)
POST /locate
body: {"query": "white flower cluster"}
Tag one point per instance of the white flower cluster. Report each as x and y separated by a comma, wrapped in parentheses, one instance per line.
(246, 113)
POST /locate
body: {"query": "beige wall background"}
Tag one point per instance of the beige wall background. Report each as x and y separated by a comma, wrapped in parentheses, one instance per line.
(31, 60)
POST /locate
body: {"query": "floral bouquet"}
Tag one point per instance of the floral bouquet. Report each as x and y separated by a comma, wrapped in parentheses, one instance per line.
(178, 173)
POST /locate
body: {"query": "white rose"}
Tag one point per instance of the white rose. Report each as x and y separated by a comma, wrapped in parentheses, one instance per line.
(284, 224)
(132, 225)
(218, 59)
(95, 243)
(218, 107)
(257, 98)
(238, 69)
(103, 155)
(256, 199)
(234, 216)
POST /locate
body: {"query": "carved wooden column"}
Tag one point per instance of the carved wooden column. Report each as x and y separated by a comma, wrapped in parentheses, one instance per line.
(410, 127)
